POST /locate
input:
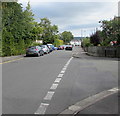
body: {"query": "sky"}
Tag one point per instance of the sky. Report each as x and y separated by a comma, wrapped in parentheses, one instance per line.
(81, 17)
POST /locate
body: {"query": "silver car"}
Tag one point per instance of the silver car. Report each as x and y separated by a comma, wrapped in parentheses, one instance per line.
(45, 49)
(34, 50)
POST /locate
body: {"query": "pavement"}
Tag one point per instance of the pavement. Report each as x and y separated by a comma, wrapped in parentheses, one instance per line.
(94, 104)
(9, 58)
(100, 103)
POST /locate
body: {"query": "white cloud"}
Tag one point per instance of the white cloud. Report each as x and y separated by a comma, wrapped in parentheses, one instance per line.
(74, 16)
(36, 1)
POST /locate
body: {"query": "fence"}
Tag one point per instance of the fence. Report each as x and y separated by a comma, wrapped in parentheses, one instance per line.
(103, 51)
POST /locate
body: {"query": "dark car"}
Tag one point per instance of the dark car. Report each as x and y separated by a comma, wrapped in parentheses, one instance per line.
(69, 47)
(34, 51)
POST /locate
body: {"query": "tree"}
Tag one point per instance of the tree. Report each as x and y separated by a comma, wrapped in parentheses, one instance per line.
(28, 22)
(95, 39)
(37, 31)
(111, 30)
(17, 26)
(12, 27)
(86, 42)
(66, 37)
(49, 31)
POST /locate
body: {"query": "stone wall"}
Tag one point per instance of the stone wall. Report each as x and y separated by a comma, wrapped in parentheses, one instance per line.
(103, 51)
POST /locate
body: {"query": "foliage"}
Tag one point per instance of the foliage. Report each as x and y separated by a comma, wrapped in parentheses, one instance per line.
(35, 44)
(17, 26)
(86, 42)
(111, 31)
(66, 37)
(19, 30)
(95, 39)
(49, 31)
(58, 42)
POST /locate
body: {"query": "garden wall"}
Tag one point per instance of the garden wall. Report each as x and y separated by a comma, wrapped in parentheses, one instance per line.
(103, 51)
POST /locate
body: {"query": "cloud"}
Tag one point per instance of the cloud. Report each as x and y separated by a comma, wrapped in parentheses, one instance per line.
(73, 16)
(35, 2)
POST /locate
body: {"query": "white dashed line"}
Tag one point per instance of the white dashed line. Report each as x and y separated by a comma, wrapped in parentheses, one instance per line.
(60, 75)
(49, 95)
(65, 67)
(57, 80)
(54, 86)
(62, 71)
(42, 108)
(67, 64)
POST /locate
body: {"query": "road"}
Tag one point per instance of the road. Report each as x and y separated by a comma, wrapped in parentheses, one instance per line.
(51, 83)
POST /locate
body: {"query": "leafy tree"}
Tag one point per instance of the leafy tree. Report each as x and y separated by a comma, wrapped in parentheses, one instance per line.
(28, 22)
(17, 26)
(95, 39)
(19, 29)
(37, 31)
(111, 30)
(58, 42)
(7, 43)
(66, 37)
(12, 19)
(49, 31)
(86, 42)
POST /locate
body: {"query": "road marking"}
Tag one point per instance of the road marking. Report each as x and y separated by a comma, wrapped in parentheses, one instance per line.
(62, 71)
(54, 86)
(57, 80)
(60, 75)
(11, 61)
(49, 95)
(42, 108)
(65, 66)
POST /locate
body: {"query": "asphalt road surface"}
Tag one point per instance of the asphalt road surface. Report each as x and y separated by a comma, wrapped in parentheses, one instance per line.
(51, 83)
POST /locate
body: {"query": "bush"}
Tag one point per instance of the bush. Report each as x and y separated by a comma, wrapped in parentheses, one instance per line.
(58, 42)
(86, 42)
(36, 44)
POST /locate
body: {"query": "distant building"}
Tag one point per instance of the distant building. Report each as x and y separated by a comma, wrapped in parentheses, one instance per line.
(39, 41)
(76, 41)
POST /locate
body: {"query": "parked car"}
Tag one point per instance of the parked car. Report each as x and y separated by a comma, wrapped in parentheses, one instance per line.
(34, 50)
(61, 47)
(69, 47)
(50, 47)
(45, 49)
(64, 46)
(55, 48)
